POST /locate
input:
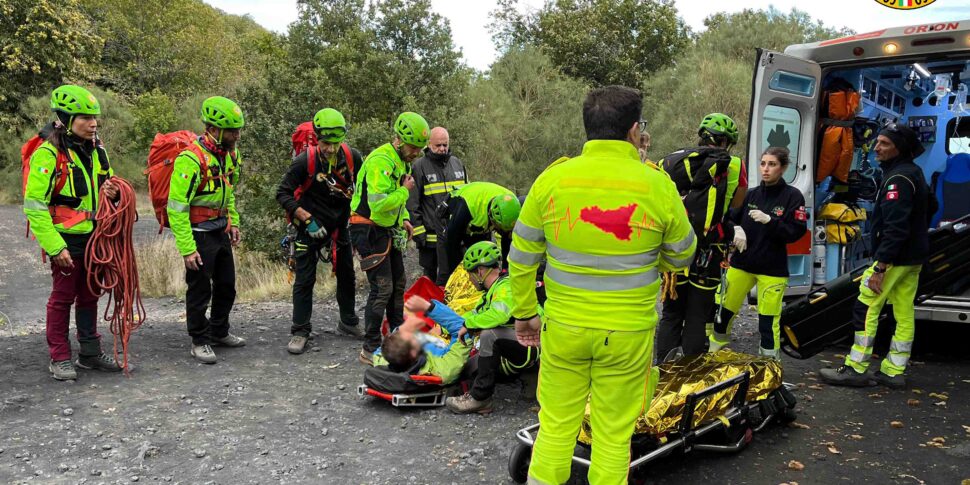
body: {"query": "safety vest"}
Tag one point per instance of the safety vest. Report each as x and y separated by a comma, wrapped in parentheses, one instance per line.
(495, 307)
(51, 214)
(478, 195)
(607, 225)
(190, 202)
(379, 195)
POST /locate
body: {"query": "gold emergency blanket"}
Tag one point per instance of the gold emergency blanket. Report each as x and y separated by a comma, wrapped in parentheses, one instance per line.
(460, 293)
(688, 375)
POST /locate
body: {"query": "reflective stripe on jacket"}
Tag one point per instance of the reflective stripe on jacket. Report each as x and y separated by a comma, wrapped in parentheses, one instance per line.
(185, 192)
(80, 191)
(607, 224)
(379, 195)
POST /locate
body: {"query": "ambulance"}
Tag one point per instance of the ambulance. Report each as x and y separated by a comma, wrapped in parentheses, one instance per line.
(826, 101)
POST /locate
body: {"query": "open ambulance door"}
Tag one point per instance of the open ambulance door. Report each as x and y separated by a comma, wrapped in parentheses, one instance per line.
(784, 112)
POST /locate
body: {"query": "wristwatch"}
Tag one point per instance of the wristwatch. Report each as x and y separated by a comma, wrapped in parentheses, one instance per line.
(878, 269)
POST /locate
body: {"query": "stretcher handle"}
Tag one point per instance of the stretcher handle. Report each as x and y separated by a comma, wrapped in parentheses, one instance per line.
(379, 394)
(741, 381)
(422, 379)
(818, 298)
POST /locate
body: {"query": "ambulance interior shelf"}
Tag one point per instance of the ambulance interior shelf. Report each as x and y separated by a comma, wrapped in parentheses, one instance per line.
(930, 97)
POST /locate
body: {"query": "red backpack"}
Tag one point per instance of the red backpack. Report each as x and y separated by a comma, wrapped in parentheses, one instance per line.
(303, 138)
(161, 163)
(60, 167)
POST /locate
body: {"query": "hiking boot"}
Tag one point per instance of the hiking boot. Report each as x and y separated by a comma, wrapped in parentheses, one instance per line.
(351, 330)
(229, 340)
(365, 357)
(845, 376)
(204, 354)
(63, 370)
(297, 344)
(892, 382)
(100, 362)
(466, 404)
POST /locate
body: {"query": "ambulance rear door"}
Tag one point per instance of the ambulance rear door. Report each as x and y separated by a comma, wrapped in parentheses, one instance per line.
(784, 113)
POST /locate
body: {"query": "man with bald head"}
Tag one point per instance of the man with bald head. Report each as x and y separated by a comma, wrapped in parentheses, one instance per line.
(436, 175)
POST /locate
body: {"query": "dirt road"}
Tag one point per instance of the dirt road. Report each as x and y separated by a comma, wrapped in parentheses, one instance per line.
(263, 416)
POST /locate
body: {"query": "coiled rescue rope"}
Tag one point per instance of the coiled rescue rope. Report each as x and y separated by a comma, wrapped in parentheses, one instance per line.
(112, 269)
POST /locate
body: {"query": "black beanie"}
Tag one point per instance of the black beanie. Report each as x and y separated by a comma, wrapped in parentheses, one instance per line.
(905, 139)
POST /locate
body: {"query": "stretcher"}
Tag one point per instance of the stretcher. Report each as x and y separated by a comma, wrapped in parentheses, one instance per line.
(710, 402)
(403, 390)
(824, 316)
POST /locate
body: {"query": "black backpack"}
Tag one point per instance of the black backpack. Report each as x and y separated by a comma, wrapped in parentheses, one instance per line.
(382, 378)
(695, 172)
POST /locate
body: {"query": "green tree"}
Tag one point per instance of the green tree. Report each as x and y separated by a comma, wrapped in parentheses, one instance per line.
(715, 75)
(527, 114)
(42, 43)
(601, 41)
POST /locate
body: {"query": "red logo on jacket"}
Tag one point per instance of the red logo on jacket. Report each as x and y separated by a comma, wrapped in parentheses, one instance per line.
(801, 214)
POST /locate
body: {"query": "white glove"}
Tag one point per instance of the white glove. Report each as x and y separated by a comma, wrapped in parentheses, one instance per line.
(758, 216)
(740, 239)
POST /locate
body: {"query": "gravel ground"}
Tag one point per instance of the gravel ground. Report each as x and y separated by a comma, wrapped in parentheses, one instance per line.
(262, 416)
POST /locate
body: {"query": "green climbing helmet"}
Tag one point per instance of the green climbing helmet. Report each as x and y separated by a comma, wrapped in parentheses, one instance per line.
(412, 129)
(74, 100)
(330, 125)
(222, 113)
(482, 253)
(719, 124)
(503, 211)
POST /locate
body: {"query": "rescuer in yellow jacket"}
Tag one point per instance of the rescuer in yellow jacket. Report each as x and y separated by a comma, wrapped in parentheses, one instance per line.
(606, 238)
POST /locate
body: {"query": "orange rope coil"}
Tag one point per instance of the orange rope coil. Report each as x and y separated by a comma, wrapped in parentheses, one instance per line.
(111, 266)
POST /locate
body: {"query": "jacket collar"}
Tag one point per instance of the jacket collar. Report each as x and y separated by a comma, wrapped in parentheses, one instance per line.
(611, 148)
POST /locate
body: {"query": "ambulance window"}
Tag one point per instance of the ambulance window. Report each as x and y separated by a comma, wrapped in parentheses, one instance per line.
(781, 127)
(898, 103)
(869, 89)
(789, 82)
(958, 137)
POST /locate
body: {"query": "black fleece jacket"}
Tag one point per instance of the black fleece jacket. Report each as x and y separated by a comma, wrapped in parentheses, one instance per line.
(329, 209)
(767, 252)
(900, 224)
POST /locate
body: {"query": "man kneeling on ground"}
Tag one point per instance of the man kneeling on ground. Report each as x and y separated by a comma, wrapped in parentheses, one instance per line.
(491, 320)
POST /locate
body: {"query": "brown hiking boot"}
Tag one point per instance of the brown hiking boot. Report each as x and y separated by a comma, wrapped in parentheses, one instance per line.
(365, 357)
(63, 370)
(466, 404)
(297, 344)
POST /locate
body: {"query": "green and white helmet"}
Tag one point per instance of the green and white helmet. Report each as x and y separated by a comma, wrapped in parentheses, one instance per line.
(719, 124)
(330, 125)
(482, 253)
(74, 100)
(222, 113)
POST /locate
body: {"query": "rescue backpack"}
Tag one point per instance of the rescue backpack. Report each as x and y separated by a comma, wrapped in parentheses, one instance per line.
(696, 172)
(60, 166)
(303, 138)
(161, 163)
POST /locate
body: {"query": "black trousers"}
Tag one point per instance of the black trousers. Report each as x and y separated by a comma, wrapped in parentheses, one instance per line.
(499, 355)
(434, 261)
(683, 321)
(214, 282)
(307, 256)
(387, 282)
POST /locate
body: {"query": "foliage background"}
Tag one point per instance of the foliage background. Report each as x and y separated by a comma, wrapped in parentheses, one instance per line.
(152, 62)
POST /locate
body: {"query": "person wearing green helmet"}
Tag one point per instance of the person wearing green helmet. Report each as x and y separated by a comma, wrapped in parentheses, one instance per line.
(66, 173)
(702, 174)
(380, 225)
(203, 217)
(319, 206)
(500, 355)
(475, 211)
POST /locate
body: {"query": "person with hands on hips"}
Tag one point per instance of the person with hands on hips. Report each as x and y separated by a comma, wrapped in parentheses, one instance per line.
(900, 243)
(772, 216)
